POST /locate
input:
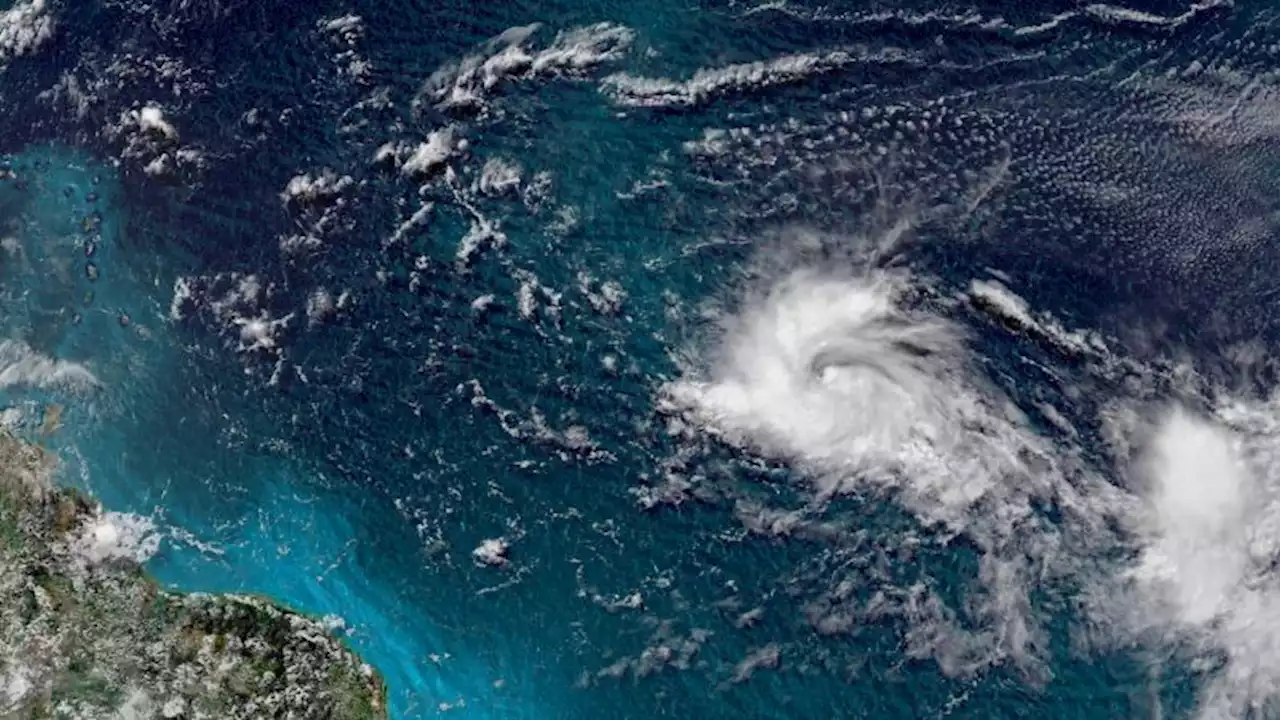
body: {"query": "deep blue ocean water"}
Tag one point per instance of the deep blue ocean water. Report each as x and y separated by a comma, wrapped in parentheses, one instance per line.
(303, 396)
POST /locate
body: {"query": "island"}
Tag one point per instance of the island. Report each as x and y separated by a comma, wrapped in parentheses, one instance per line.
(88, 635)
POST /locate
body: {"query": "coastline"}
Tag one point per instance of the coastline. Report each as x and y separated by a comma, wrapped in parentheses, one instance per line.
(88, 632)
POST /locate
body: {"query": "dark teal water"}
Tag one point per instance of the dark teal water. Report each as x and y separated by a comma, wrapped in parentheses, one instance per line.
(302, 395)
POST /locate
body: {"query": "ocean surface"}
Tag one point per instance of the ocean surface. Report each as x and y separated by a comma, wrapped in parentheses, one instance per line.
(698, 359)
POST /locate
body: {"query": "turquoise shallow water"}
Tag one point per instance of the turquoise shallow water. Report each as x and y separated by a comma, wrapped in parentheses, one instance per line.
(1112, 164)
(140, 439)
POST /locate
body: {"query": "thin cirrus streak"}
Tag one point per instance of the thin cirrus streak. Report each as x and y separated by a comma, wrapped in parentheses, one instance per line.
(836, 375)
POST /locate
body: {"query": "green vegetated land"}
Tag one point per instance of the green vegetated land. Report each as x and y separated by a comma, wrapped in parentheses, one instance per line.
(85, 633)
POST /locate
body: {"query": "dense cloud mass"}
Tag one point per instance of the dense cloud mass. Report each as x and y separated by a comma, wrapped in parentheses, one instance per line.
(954, 324)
